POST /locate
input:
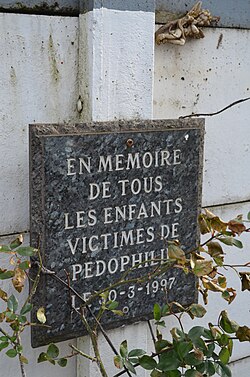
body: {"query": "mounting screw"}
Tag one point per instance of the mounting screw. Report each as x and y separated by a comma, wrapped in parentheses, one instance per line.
(130, 142)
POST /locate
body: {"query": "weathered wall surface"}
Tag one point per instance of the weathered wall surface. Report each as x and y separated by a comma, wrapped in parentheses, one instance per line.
(204, 76)
(39, 83)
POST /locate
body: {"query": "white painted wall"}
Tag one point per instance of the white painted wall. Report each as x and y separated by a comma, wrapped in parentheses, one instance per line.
(116, 82)
(201, 78)
(39, 83)
(116, 64)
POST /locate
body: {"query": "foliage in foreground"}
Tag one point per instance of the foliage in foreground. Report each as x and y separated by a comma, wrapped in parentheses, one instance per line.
(198, 352)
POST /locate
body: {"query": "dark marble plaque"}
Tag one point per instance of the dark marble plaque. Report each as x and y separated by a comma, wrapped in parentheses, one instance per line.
(105, 198)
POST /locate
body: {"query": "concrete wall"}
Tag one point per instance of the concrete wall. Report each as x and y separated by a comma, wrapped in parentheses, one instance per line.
(39, 83)
(202, 77)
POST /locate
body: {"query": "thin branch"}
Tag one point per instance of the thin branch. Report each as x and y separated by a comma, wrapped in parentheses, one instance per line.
(37, 277)
(217, 112)
(165, 263)
(53, 274)
(4, 333)
(81, 353)
(23, 373)
(21, 366)
(178, 319)
(237, 265)
(151, 331)
(153, 354)
(37, 325)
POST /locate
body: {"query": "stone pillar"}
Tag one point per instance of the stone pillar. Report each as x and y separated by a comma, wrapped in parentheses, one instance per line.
(116, 65)
(116, 59)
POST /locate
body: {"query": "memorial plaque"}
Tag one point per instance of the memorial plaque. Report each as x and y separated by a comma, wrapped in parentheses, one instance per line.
(105, 198)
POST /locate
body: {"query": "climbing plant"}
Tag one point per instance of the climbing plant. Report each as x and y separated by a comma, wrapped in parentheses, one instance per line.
(195, 352)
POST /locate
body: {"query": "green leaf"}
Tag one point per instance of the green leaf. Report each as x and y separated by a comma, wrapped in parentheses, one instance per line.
(136, 352)
(22, 318)
(230, 346)
(224, 340)
(23, 359)
(237, 243)
(168, 361)
(4, 249)
(227, 240)
(19, 348)
(224, 355)
(202, 267)
(183, 348)
(248, 216)
(147, 362)
(165, 310)
(113, 305)
(124, 349)
(15, 326)
(3, 345)
(222, 281)
(24, 265)
(11, 353)
(118, 312)
(210, 349)
(199, 343)
(4, 339)
(192, 373)
(197, 310)
(42, 357)
(191, 360)
(208, 335)
(196, 332)
(157, 312)
(118, 361)
(210, 369)
(26, 308)
(201, 368)
(52, 351)
(10, 316)
(12, 304)
(62, 362)
(173, 373)
(161, 344)
(6, 275)
(17, 242)
(156, 373)
(229, 326)
(129, 366)
(26, 251)
(223, 370)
